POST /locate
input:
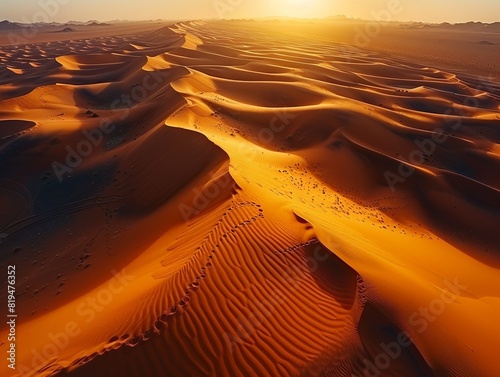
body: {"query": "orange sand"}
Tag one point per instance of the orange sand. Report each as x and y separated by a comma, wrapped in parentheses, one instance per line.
(233, 216)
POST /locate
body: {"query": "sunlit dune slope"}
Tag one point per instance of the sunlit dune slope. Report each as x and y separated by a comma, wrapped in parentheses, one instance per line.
(211, 199)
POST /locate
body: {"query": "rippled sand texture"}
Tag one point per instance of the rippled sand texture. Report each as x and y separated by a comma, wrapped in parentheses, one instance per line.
(237, 218)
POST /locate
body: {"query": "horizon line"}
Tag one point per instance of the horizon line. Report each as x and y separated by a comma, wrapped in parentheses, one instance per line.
(337, 17)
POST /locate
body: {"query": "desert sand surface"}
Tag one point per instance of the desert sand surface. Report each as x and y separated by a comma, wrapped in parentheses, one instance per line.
(252, 198)
(12, 36)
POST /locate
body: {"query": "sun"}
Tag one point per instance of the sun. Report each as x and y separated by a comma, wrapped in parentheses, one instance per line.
(302, 8)
(299, 8)
(299, 2)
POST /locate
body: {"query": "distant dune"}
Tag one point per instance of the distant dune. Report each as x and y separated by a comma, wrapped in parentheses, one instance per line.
(7, 25)
(65, 30)
(98, 24)
(252, 198)
(469, 26)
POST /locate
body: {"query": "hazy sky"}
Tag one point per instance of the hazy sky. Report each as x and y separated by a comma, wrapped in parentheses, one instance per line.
(418, 10)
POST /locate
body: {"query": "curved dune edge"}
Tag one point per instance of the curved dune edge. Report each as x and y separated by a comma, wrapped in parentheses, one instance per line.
(11, 128)
(247, 225)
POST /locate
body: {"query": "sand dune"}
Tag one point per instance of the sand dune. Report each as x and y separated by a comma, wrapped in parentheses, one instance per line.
(212, 199)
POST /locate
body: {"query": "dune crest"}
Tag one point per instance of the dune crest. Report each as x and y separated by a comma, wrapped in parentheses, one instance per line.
(248, 204)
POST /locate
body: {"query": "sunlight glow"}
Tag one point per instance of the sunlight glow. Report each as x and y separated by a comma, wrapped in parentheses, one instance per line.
(410, 10)
(300, 8)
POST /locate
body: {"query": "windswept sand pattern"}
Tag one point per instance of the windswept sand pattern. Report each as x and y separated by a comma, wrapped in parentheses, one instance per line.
(260, 288)
(241, 178)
